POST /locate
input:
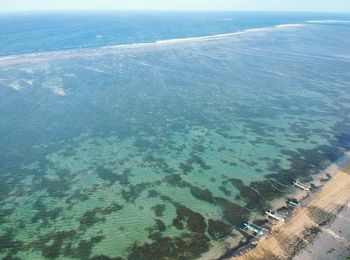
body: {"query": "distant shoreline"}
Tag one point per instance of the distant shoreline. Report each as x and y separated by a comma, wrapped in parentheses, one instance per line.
(322, 207)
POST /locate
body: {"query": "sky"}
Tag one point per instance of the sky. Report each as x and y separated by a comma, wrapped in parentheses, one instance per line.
(178, 5)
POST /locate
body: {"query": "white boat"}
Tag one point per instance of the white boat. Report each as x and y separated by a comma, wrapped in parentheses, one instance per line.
(302, 186)
(275, 215)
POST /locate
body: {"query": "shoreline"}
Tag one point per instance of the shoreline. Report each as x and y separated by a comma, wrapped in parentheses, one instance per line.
(320, 208)
(238, 244)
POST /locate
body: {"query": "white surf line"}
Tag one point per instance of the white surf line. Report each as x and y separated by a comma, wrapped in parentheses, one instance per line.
(328, 21)
(202, 38)
(226, 35)
(58, 53)
(221, 19)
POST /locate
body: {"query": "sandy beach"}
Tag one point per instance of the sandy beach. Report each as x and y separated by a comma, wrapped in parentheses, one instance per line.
(315, 231)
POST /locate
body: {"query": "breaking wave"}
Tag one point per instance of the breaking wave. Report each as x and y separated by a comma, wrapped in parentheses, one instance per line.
(329, 21)
(63, 53)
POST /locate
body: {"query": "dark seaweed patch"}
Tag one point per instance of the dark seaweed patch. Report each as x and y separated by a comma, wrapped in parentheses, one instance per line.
(132, 192)
(235, 182)
(225, 190)
(159, 210)
(112, 177)
(83, 251)
(5, 189)
(114, 207)
(5, 213)
(193, 220)
(187, 166)
(90, 218)
(218, 229)
(258, 194)
(11, 257)
(233, 213)
(221, 149)
(305, 163)
(155, 231)
(154, 234)
(175, 180)
(344, 140)
(97, 215)
(232, 252)
(195, 159)
(158, 163)
(51, 245)
(187, 246)
(9, 245)
(142, 144)
(252, 163)
(103, 257)
(47, 215)
(198, 148)
(55, 187)
(202, 194)
(178, 223)
(153, 194)
(69, 152)
(160, 225)
(78, 195)
(184, 216)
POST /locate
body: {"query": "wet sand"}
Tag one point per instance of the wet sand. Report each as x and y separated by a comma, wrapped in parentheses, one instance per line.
(312, 227)
(333, 243)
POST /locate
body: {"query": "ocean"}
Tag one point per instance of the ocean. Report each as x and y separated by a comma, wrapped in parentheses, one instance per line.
(130, 135)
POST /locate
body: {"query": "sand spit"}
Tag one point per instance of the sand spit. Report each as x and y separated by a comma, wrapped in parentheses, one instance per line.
(327, 210)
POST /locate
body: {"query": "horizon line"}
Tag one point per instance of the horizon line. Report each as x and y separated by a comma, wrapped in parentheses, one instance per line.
(170, 10)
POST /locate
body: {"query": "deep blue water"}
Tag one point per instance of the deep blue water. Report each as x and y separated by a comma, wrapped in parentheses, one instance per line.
(37, 32)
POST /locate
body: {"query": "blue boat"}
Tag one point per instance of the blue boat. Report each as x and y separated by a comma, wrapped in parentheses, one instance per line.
(252, 229)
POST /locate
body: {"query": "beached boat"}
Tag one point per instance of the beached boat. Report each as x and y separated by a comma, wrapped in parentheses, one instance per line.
(274, 215)
(251, 229)
(300, 185)
(293, 204)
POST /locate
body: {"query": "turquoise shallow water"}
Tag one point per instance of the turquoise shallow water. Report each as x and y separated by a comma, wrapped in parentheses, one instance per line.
(161, 150)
